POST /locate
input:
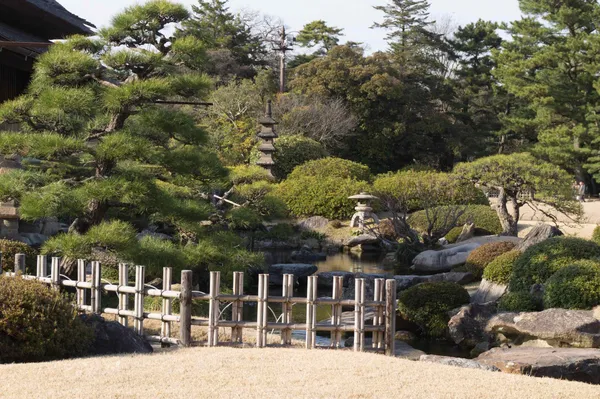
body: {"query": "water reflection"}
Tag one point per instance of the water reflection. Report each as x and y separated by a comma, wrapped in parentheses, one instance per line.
(344, 262)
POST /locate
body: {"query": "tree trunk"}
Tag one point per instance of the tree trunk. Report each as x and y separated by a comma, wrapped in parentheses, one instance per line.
(508, 221)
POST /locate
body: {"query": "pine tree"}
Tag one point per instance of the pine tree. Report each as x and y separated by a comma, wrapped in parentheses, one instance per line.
(98, 147)
(318, 33)
(550, 64)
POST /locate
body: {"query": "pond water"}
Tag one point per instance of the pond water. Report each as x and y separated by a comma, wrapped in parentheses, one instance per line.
(343, 262)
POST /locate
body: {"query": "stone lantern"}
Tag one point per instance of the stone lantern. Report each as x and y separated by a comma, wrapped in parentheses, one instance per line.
(363, 209)
(267, 135)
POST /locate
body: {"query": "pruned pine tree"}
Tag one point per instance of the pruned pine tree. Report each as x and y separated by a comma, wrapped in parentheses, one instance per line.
(96, 143)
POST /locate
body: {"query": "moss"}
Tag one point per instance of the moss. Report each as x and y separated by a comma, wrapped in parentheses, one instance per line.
(539, 262)
(500, 269)
(38, 324)
(518, 302)
(485, 254)
(574, 287)
(428, 304)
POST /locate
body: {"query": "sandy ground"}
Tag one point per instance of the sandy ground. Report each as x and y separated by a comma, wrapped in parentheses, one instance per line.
(270, 373)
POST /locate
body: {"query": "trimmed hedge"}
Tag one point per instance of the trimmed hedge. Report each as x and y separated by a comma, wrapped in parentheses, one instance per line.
(10, 248)
(428, 304)
(485, 254)
(574, 287)
(485, 218)
(292, 151)
(500, 269)
(539, 262)
(39, 324)
(518, 302)
(332, 167)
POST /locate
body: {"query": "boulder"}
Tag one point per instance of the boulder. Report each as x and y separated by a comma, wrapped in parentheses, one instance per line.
(33, 239)
(113, 338)
(488, 292)
(405, 282)
(326, 278)
(405, 351)
(444, 260)
(562, 363)
(457, 362)
(453, 277)
(313, 223)
(51, 226)
(299, 270)
(467, 327)
(558, 327)
(539, 233)
(468, 232)
(362, 240)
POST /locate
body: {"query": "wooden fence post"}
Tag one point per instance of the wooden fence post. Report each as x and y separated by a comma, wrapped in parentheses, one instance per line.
(123, 298)
(359, 315)
(185, 309)
(41, 269)
(81, 278)
(378, 312)
(261, 311)
(140, 277)
(390, 317)
(96, 295)
(311, 312)
(20, 264)
(286, 307)
(237, 309)
(336, 311)
(55, 273)
(165, 330)
(213, 309)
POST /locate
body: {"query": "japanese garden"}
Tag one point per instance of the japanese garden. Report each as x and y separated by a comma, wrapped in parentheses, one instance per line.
(194, 190)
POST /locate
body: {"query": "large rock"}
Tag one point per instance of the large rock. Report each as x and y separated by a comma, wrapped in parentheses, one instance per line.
(299, 270)
(457, 362)
(468, 232)
(444, 260)
(539, 233)
(453, 277)
(364, 239)
(313, 223)
(467, 327)
(488, 292)
(558, 327)
(113, 338)
(33, 239)
(561, 363)
(405, 282)
(326, 278)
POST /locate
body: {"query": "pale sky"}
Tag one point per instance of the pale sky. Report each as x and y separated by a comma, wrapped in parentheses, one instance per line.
(355, 16)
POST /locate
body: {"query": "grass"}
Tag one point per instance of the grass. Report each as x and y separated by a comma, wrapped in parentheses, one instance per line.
(270, 373)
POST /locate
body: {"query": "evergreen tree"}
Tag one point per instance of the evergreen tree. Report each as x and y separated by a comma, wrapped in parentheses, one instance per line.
(97, 148)
(318, 33)
(225, 34)
(551, 64)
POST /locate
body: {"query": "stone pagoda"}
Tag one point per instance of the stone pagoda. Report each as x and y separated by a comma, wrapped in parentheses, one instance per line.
(267, 135)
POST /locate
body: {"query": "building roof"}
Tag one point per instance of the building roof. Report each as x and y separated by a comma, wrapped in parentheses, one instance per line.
(46, 19)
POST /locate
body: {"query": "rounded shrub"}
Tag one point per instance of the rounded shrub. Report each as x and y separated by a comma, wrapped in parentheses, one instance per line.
(38, 324)
(574, 287)
(500, 269)
(295, 150)
(520, 301)
(322, 188)
(10, 248)
(539, 262)
(244, 174)
(596, 235)
(428, 304)
(485, 254)
(485, 218)
(415, 190)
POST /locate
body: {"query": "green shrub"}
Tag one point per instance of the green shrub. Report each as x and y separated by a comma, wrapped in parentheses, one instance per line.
(539, 262)
(574, 287)
(258, 196)
(282, 232)
(453, 234)
(320, 196)
(485, 254)
(38, 324)
(485, 218)
(518, 302)
(313, 235)
(413, 190)
(332, 167)
(596, 235)
(245, 174)
(292, 151)
(244, 218)
(428, 304)
(10, 248)
(500, 269)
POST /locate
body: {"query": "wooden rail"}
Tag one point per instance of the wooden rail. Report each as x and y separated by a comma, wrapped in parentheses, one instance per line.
(382, 327)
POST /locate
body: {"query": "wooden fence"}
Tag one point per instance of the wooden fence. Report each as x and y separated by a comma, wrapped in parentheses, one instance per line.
(383, 305)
